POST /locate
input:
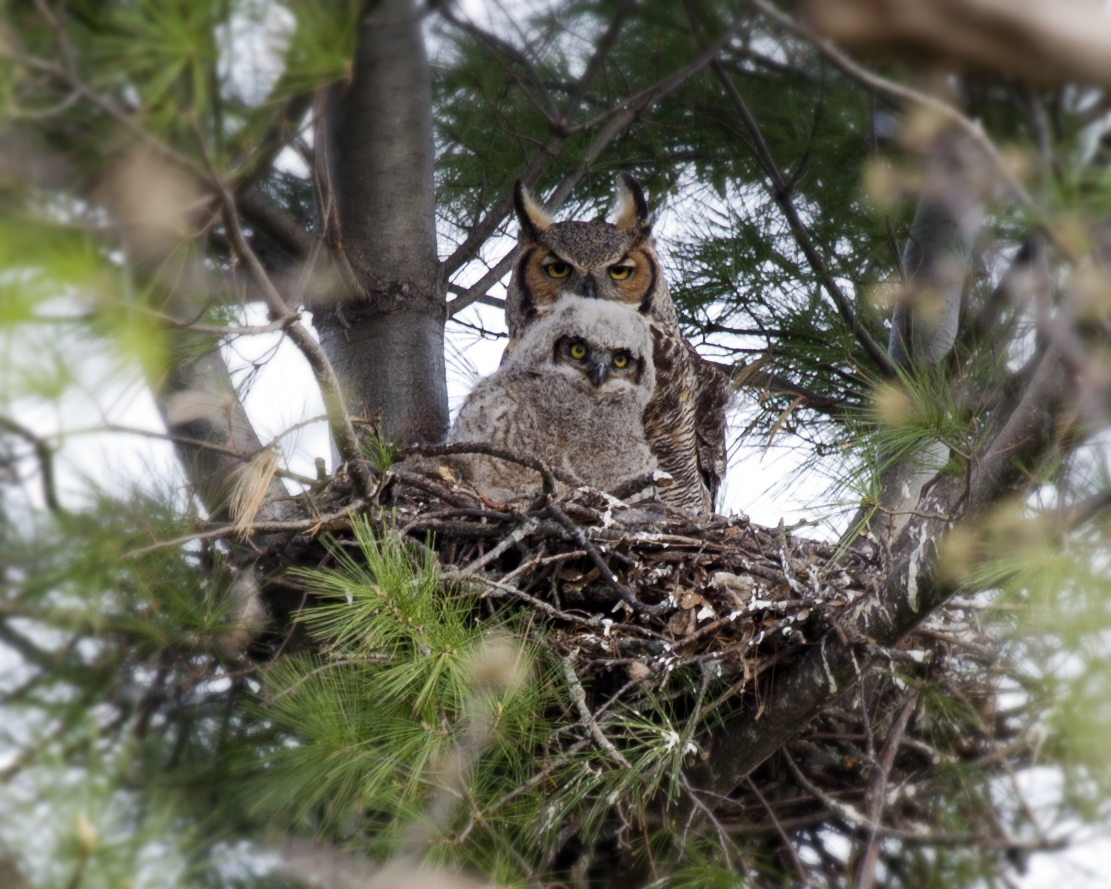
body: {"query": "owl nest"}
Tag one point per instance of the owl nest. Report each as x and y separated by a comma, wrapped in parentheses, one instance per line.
(630, 583)
(626, 592)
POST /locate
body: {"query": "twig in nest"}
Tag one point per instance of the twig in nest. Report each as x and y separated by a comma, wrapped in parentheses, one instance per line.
(578, 697)
(607, 574)
(512, 540)
(548, 475)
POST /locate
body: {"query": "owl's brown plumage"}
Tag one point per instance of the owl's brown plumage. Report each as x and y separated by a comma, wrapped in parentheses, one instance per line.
(685, 418)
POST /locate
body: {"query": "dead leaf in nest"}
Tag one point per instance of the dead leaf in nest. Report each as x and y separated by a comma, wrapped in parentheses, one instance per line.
(688, 599)
(446, 474)
(638, 670)
(740, 587)
(682, 623)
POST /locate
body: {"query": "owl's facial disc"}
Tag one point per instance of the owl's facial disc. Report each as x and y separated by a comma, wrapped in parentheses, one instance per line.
(599, 365)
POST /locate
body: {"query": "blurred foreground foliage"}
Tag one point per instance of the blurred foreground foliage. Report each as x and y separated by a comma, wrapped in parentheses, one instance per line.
(136, 749)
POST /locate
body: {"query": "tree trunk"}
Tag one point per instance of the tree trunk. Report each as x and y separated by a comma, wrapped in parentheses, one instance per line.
(937, 263)
(387, 344)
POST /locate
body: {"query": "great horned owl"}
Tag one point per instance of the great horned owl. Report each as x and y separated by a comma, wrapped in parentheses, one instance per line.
(685, 418)
(572, 394)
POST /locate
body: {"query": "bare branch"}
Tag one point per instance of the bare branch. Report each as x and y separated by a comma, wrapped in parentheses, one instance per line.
(782, 195)
(43, 454)
(578, 697)
(339, 421)
(750, 376)
(877, 792)
(546, 105)
(478, 292)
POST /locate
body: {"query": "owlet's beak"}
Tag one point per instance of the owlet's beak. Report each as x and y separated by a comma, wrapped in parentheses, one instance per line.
(598, 373)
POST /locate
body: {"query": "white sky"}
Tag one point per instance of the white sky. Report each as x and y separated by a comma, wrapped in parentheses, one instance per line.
(780, 484)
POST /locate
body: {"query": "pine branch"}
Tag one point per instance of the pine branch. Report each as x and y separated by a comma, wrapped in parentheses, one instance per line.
(548, 153)
(916, 584)
(782, 195)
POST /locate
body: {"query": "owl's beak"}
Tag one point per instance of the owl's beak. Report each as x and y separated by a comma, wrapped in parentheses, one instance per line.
(598, 373)
(590, 289)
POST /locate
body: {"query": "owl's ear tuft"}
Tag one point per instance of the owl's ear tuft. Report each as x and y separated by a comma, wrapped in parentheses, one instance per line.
(632, 209)
(533, 218)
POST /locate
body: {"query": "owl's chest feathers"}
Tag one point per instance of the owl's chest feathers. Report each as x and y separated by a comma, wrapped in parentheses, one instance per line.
(571, 403)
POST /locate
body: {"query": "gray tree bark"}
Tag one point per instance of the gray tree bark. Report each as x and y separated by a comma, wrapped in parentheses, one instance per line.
(387, 342)
(937, 262)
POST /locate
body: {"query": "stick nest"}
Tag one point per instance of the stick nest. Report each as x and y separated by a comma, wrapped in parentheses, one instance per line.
(625, 594)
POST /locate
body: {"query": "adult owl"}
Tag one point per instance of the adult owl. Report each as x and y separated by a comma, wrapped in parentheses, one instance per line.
(617, 262)
(572, 394)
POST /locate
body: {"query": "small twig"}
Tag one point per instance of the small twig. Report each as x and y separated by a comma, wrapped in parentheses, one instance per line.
(594, 622)
(548, 474)
(603, 569)
(461, 500)
(578, 697)
(849, 813)
(788, 847)
(512, 540)
(866, 870)
(253, 528)
(343, 432)
(723, 839)
(45, 456)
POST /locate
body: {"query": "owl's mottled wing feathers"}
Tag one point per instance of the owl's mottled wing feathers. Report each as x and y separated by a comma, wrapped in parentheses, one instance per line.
(715, 391)
(685, 422)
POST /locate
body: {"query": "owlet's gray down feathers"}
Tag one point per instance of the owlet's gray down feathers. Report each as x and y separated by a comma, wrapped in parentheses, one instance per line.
(571, 394)
(684, 420)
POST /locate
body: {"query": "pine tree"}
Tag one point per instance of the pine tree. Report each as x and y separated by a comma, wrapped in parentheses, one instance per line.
(899, 257)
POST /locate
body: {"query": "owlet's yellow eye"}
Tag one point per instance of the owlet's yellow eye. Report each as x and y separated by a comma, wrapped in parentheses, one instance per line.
(578, 351)
(558, 270)
(621, 359)
(620, 272)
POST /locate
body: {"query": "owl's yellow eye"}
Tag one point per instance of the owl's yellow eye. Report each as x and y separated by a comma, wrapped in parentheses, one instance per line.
(558, 270)
(578, 351)
(621, 359)
(620, 272)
